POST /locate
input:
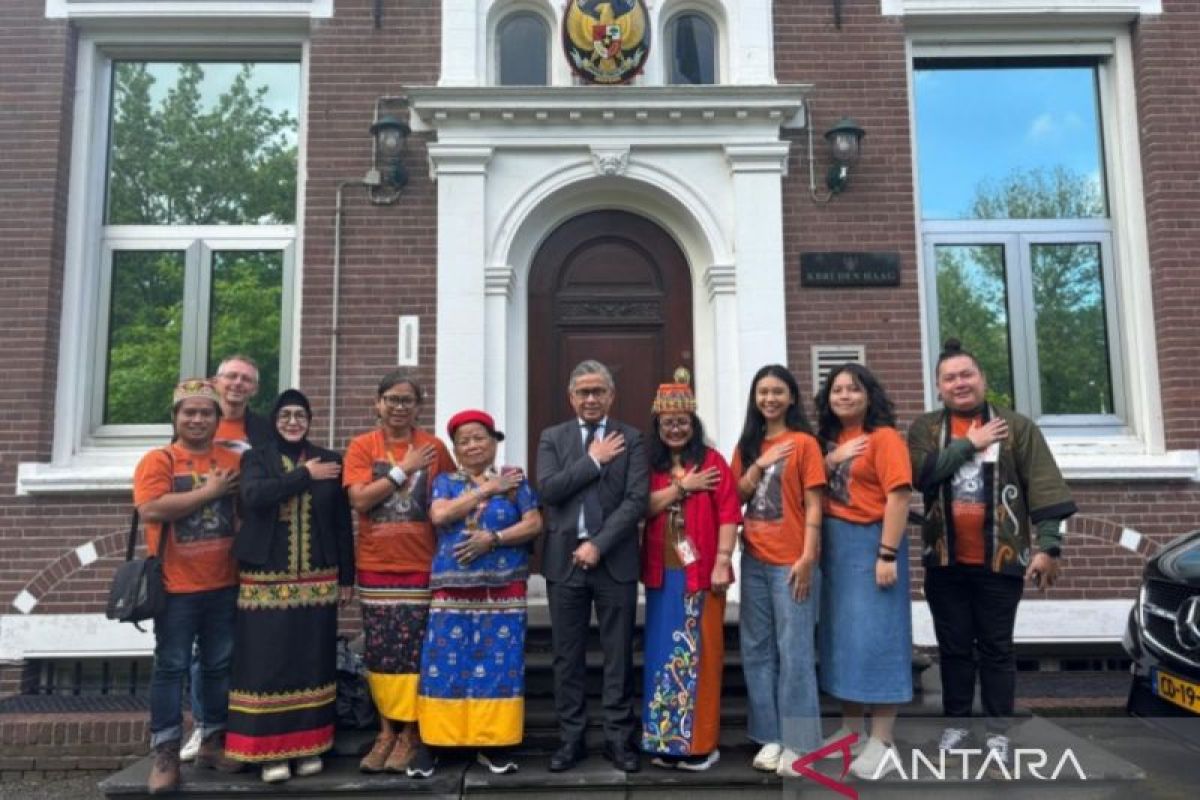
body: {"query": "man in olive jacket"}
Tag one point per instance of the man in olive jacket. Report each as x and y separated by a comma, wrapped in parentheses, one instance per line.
(989, 480)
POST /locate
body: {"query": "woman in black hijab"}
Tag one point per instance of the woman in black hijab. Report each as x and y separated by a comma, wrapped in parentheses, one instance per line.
(296, 558)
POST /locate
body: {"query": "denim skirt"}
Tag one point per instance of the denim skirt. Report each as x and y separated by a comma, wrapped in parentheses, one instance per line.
(865, 632)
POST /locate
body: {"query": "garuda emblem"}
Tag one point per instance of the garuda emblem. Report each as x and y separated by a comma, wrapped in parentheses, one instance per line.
(606, 41)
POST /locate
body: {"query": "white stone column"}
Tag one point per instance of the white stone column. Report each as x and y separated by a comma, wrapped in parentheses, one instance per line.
(498, 283)
(461, 175)
(721, 282)
(758, 170)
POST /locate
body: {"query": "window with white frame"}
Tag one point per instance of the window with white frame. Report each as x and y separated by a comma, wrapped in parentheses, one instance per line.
(691, 49)
(523, 50)
(1017, 230)
(196, 240)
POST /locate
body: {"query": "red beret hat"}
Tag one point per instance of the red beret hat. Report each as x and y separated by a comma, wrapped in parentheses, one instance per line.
(474, 415)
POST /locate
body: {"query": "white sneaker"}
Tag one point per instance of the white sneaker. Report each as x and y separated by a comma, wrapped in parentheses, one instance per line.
(276, 772)
(191, 747)
(309, 766)
(699, 763)
(997, 757)
(786, 759)
(953, 738)
(841, 733)
(876, 760)
(767, 758)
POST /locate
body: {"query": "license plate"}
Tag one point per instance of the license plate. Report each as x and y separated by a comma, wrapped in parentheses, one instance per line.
(1178, 691)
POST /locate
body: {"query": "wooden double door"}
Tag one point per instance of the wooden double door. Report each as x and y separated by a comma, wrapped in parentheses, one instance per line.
(615, 287)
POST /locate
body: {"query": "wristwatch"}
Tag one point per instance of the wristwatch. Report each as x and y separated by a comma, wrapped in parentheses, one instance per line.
(1054, 551)
(397, 475)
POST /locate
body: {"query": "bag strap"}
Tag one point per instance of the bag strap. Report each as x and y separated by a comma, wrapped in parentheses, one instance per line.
(131, 543)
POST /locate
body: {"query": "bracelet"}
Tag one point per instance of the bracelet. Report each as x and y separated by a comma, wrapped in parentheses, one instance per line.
(397, 475)
(496, 539)
(678, 484)
(889, 558)
(888, 547)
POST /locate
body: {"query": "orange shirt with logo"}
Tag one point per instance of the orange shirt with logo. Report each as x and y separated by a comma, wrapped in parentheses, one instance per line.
(396, 535)
(858, 489)
(968, 503)
(231, 434)
(198, 554)
(774, 520)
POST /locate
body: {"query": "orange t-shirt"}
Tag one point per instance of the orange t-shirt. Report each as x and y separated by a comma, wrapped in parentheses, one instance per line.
(198, 555)
(859, 487)
(968, 499)
(774, 519)
(396, 535)
(231, 434)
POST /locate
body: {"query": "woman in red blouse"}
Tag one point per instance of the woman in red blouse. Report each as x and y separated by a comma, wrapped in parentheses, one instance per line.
(687, 552)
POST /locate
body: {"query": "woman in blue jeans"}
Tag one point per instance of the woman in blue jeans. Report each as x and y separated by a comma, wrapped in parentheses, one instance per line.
(780, 478)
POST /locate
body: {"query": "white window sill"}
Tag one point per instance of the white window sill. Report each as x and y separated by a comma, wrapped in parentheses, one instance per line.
(132, 9)
(106, 472)
(978, 8)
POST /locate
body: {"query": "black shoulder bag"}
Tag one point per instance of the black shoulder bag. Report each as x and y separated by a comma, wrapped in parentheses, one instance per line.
(136, 592)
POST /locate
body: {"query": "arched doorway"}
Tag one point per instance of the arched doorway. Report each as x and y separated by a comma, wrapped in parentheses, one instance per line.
(612, 286)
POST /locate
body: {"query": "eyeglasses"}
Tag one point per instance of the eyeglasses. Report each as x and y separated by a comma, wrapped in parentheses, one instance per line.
(234, 376)
(292, 416)
(675, 424)
(597, 393)
(399, 400)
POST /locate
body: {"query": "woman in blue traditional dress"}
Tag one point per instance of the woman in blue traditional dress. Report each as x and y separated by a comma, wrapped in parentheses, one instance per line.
(687, 553)
(472, 691)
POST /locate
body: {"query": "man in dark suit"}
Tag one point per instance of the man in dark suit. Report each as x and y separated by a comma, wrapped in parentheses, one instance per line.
(592, 477)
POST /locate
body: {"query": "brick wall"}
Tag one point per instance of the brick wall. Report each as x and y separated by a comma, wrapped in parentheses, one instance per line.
(1168, 77)
(857, 71)
(50, 745)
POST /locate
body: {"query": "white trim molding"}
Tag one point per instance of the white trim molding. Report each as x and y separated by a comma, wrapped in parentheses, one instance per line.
(1047, 622)
(196, 9)
(982, 8)
(514, 163)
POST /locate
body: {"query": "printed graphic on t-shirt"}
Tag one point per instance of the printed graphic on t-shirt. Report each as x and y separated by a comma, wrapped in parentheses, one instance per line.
(213, 520)
(967, 485)
(234, 445)
(406, 504)
(839, 482)
(767, 503)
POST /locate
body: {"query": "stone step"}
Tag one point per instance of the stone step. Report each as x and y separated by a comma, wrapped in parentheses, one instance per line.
(457, 776)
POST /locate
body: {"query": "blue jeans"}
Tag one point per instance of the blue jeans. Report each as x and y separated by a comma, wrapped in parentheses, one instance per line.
(206, 619)
(779, 656)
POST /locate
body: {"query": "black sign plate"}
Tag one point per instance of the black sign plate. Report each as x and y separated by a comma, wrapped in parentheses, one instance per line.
(841, 270)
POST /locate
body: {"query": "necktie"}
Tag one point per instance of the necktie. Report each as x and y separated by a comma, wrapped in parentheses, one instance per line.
(593, 513)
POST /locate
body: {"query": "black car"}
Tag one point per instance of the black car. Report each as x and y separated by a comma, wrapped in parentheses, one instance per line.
(1163, 635)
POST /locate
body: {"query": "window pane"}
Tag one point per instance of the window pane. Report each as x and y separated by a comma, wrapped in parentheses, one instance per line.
(973, 308)
(196, 143)
(523, 60)
(1009, 141)
(247, 306)
(1072, 337)
(144, 335)
(693, 50)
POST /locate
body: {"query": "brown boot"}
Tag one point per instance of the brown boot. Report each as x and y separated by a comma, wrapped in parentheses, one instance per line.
(402, 753)
(164, 775)
(375, 760)
(212, 755)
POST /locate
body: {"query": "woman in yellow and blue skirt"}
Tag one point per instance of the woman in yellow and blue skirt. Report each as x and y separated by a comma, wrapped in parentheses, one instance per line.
(473, 659)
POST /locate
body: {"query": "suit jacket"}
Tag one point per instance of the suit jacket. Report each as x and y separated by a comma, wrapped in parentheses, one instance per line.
(564, 472)
(265, 486)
